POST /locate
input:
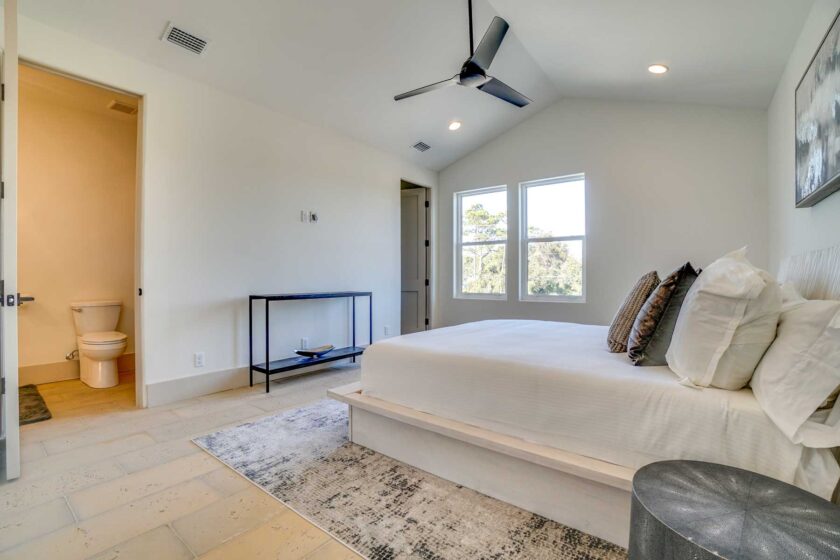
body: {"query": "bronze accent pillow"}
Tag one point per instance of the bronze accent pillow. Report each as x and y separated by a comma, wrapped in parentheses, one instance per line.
(653, 329)
(832, 398)
(623, 320)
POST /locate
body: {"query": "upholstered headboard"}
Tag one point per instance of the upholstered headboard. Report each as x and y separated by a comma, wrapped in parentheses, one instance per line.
(815, 274)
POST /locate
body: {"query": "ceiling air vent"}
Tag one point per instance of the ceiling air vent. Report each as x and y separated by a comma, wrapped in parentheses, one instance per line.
(184, 39)
(421, 146)
(122, 107)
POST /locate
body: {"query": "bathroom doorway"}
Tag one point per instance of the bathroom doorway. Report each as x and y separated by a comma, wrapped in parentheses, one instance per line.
(77, 242)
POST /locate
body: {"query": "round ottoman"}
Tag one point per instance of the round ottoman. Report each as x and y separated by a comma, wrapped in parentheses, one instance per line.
(698, 511)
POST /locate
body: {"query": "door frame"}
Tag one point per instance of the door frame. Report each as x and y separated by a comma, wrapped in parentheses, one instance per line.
(140, 393)
(8, 234)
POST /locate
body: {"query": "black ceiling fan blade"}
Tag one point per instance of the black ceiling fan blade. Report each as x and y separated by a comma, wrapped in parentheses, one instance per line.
(431, 87)
(498, 88)
(490, 43)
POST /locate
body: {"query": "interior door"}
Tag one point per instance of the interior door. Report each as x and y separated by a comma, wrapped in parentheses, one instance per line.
(8, 245)
(413, 261)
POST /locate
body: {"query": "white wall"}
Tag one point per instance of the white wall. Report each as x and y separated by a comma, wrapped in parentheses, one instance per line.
(796, 230)
(224, 181)
(665, 184)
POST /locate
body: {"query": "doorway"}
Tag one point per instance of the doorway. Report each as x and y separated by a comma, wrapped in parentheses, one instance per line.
(77, 237)
(415, 257)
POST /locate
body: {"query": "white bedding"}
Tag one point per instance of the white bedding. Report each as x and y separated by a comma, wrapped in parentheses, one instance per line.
(555, 384)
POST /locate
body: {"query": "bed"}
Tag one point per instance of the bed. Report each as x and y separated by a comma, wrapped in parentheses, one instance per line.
(540, 415)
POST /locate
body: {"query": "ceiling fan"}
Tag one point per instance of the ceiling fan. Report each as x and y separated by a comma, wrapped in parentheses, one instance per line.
(474, 71)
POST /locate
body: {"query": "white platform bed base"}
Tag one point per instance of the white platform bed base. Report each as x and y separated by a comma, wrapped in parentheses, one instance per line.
(584, 493)
(587, 494)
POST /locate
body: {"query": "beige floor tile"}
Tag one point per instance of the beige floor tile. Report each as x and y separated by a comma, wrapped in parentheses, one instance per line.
(333, 550)
(52, 464)
(143, 527)
(226, 481)
(20, 526)
(157, 455)
(192, 427)
(157, 544)
(103, 497)
(287, 536)
(102, 532)
(31, 451)
(218, 522)
(21, 494)
(108, 432)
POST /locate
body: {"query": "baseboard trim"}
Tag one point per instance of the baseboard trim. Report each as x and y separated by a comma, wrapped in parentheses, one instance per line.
(63, 371)
(173, 390)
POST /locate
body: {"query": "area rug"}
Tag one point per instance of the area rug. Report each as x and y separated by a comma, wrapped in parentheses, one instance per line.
(380, 507)
(32, 406)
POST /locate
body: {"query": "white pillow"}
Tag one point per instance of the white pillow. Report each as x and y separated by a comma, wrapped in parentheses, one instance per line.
(800, 370)
(726, 323)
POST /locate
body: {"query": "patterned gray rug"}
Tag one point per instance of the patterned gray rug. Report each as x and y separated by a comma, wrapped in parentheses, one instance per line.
(32, 407)
(380, 507)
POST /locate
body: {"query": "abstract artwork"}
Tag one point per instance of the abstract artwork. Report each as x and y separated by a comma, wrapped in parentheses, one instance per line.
(818, 124)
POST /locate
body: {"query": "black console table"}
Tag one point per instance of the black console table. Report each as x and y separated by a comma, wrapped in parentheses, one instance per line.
(269, 367)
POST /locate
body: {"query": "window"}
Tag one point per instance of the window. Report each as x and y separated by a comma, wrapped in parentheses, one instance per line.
(553, 240)
(481, 243)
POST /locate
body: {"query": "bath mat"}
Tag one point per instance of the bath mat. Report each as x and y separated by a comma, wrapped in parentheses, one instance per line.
(32, 406)
(384, 509)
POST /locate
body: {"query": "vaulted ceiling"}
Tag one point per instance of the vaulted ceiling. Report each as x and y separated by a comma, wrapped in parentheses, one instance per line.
(339, 63)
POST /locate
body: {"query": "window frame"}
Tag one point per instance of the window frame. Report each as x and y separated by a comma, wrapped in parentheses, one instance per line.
(524, 240)
(459, 244)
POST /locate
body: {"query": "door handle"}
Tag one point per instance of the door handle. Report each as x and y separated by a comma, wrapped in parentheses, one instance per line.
(23, 299)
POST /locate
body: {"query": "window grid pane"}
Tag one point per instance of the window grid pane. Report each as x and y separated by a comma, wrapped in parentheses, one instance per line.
(483, 269)
(484, 216)
(555, 268)
(556, 209)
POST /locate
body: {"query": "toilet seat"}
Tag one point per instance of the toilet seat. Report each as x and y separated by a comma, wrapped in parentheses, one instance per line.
(103, 338)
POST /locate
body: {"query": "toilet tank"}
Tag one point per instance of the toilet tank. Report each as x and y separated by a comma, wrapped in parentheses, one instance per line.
(96, 316)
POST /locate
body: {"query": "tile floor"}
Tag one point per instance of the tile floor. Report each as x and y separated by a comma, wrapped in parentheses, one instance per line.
(105, 480)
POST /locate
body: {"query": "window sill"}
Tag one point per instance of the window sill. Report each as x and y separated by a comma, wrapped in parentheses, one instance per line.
(481, 297)
(553, 299)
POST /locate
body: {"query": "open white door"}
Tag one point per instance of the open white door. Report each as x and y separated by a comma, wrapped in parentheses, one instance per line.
(413, 260)
(8, 245)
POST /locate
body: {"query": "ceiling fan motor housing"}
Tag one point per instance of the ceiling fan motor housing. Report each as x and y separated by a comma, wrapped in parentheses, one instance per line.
(472, 75)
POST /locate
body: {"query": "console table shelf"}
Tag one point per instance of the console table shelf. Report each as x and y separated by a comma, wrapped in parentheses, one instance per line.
(297, 362)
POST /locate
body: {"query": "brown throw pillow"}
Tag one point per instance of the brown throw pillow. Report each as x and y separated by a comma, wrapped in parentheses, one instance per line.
(653, 329)
(623, 320)
(832, 398)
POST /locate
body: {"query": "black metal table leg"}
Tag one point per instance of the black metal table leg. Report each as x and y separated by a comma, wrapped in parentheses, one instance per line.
(354, 327)
(250, 342)
(267, 354)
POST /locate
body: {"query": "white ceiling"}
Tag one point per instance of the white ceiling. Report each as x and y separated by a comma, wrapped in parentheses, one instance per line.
(339, 63)
(721, 52)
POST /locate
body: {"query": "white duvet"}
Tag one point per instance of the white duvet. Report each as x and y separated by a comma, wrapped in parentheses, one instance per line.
(556, 384)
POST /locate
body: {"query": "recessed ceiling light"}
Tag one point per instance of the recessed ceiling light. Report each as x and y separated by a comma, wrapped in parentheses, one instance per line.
(658, 69)
(454, 125)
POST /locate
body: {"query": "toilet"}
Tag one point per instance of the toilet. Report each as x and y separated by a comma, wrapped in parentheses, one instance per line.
(99, 344)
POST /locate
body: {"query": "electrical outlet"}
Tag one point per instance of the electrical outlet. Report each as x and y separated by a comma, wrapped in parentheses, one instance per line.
(313, 216)
(304, 343)
(198, 359)
(387, 330)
